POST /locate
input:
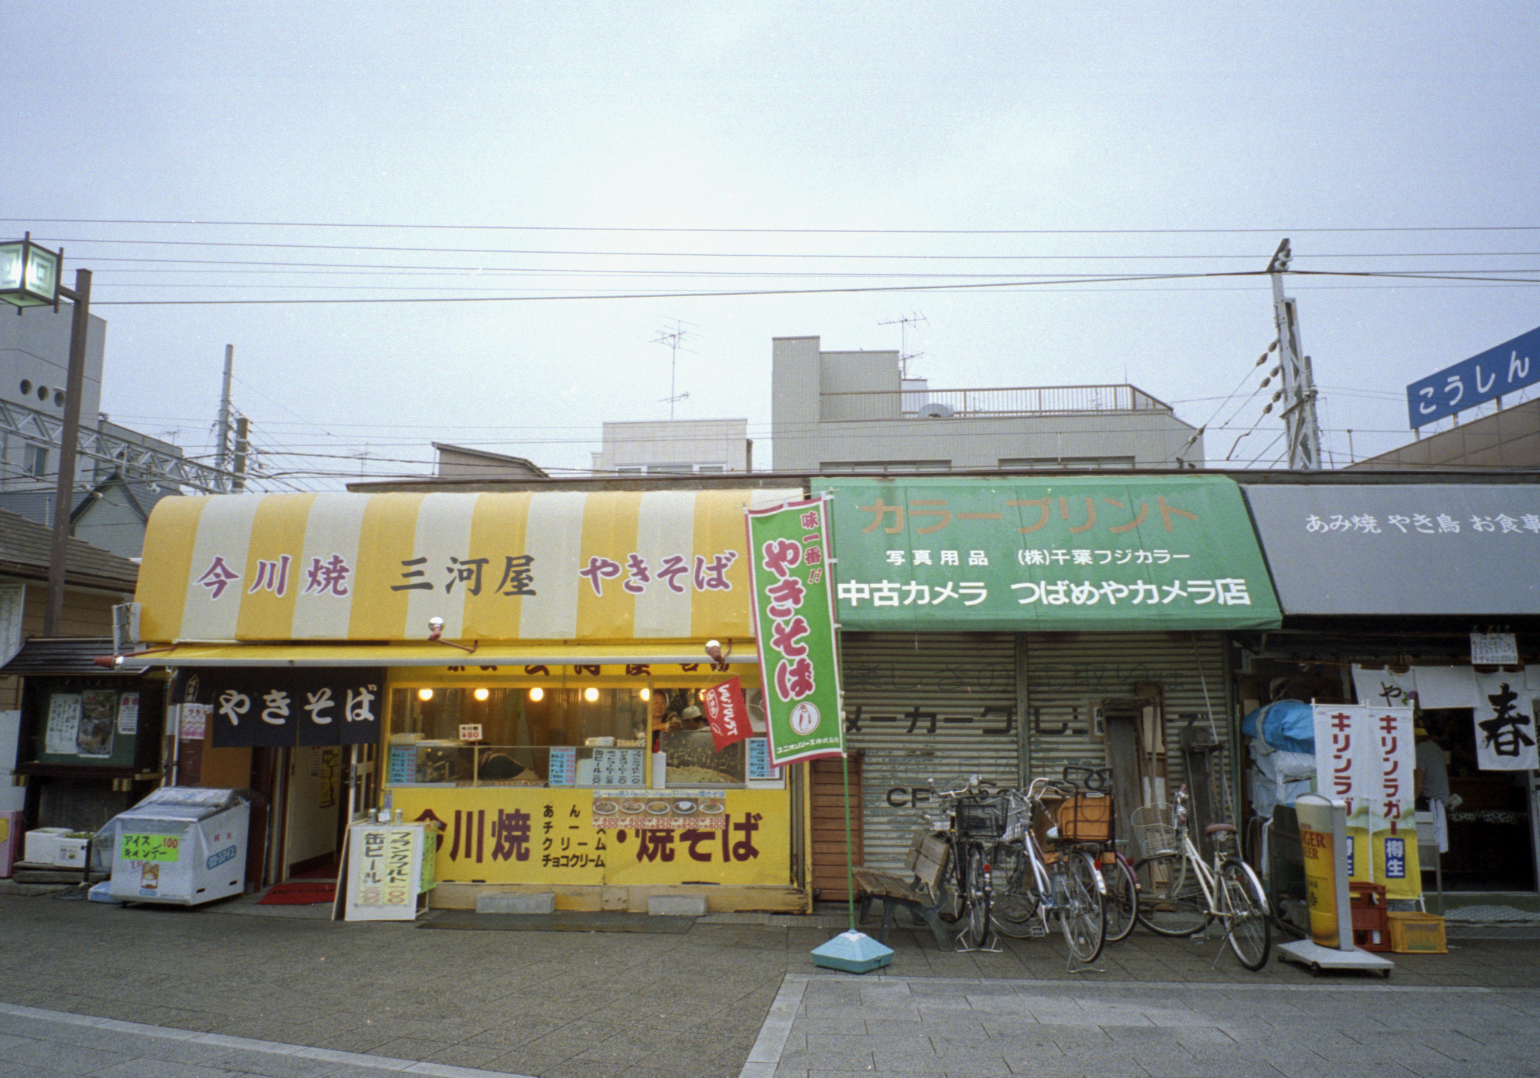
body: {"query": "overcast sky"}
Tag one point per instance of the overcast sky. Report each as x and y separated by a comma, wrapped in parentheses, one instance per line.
(844, 168)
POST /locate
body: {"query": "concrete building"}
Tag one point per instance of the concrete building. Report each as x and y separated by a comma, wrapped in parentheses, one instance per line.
(853, 411)
(1503, 441)
(460, 462)
(119, 473)
(675, 447)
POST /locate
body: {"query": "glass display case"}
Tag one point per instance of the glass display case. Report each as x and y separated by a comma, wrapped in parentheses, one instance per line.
(555, 737)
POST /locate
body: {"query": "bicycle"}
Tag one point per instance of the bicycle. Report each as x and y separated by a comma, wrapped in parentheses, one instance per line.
(1090, 824)
(1033, 888)
(971, 820)
(1181, 895)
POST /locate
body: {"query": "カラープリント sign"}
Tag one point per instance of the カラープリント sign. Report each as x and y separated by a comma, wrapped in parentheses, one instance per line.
(789, 560)
(1072, 554)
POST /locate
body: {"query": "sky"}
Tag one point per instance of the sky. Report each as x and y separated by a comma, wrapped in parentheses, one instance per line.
(531, 197)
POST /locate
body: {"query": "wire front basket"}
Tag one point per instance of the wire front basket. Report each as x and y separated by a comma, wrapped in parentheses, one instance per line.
(981, 818)
(1155, 827)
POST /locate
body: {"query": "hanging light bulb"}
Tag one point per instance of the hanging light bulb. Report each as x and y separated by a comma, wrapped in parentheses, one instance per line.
(590, 694)
(482, 694)
(425, 695)
(646, 695)
(537, 694)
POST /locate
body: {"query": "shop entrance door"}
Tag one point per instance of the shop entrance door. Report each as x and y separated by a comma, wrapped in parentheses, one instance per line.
(314, 802)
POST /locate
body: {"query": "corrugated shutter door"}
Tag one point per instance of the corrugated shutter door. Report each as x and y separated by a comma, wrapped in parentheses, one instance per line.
(1068, 674)
(920, 706)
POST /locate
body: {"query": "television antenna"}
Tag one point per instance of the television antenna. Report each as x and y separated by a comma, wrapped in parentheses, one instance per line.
(904, 355)
(675, 339)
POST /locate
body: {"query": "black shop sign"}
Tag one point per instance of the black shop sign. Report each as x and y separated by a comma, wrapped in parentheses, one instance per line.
(284, 706)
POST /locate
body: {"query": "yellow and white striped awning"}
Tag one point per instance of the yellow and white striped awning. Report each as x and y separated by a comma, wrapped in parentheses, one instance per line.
(567, 566)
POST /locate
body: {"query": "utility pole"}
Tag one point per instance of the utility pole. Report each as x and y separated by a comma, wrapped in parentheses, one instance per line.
(1301, 429)
(221, 460)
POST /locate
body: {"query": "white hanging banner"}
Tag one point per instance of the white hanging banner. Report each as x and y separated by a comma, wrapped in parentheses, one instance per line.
(1385, 687)
(1505, 723)
(1346, 753)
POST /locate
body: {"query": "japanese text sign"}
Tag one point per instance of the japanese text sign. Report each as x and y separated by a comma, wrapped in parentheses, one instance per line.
(283, 706)
(789, 562)
(1067, 554)
(560, 565)
(1502, 369)
(1366, 754)
(1391, 548)
(727, 712)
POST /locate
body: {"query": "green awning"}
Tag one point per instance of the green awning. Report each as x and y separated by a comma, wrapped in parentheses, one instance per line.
(1062, 554)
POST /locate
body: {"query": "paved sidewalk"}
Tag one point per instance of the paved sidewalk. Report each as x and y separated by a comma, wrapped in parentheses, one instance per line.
(240, 988)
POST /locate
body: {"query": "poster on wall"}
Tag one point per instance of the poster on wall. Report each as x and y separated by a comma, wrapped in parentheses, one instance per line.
(63, 724)
(1364, 757)
(789, 563)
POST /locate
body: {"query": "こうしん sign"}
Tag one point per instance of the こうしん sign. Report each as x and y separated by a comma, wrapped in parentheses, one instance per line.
(794, 622)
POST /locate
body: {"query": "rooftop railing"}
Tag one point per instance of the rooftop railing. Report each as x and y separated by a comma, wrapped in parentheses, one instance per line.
(990, 403)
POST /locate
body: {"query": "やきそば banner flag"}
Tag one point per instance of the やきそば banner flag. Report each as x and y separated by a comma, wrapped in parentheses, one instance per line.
(793, 615)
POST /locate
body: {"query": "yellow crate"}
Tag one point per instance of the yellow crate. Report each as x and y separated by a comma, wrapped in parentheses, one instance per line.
(1416, 933)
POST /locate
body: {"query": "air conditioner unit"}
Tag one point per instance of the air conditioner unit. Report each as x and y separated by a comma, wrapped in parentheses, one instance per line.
(935, 410)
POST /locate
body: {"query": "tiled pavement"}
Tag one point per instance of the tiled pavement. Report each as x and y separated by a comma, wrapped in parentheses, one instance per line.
(294, 994)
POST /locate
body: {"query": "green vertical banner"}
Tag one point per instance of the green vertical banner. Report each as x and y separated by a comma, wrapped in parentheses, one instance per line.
(790, 564)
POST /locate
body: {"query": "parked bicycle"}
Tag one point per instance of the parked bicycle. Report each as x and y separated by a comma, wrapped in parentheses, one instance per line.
(1181, 895)
(971, 820)
(1034, 888)
(1088, 819)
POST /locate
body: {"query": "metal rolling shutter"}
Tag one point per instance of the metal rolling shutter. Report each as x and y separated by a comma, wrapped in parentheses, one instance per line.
(922, 706)
(1069, 673)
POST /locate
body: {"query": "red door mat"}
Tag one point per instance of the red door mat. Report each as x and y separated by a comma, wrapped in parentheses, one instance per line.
(300, 893)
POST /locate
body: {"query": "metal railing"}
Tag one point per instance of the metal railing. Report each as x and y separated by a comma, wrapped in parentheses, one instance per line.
(990, 403)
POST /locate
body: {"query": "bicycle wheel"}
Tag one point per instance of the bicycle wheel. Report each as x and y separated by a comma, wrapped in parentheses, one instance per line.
(1122, 896)
(1081, 906)
(978, 897)
(1171, 901)
(1251, 933)
(1013, 896)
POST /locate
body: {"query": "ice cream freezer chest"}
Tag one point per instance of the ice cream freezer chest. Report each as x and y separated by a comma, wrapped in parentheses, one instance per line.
(181, 845)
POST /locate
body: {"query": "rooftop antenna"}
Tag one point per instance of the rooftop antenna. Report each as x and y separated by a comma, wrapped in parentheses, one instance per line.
(904, 355)
(675, 339)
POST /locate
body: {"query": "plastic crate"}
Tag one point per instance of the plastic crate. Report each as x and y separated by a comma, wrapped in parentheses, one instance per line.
(1370, 929)
(1416, 933)
(980, 818)
(1086, 818)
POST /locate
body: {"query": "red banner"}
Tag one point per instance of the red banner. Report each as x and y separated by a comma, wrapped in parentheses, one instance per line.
(727, 712)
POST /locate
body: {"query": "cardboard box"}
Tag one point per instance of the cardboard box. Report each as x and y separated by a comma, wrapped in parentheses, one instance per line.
(1416, 933)
(53, 846)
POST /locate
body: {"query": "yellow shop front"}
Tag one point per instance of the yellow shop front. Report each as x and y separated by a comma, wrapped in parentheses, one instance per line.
(534, 665)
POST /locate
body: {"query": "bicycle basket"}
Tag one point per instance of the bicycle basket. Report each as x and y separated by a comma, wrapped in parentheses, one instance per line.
(1018, 818)
(1155, 827)
(980, 818)
(1086, 818)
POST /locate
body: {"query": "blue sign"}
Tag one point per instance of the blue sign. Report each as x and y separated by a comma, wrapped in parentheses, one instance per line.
(1481, 378)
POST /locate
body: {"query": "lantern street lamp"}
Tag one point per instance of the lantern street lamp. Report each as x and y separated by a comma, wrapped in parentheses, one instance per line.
(29, 274)
(29, 277)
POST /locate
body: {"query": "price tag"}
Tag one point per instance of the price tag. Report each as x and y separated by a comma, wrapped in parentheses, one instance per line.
(149, 847)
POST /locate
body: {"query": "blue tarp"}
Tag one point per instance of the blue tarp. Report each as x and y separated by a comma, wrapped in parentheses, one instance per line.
(1286, 725)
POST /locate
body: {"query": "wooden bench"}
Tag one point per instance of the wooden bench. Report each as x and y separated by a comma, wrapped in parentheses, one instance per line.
(926, 861)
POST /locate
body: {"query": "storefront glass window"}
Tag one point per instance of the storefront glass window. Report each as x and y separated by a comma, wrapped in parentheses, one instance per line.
(556, 736)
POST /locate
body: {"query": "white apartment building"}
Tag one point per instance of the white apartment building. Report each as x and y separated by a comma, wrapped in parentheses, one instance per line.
(675, 447)
(853, 411)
